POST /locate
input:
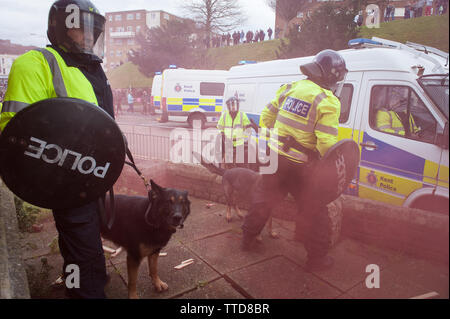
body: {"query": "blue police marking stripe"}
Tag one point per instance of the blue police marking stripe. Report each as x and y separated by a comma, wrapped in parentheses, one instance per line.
(392, 160)
(298, 107)
(174, 107)
(208, 108)
(219, 102)
(157, 103)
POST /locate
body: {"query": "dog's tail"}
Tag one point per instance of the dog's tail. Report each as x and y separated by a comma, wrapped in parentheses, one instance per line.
(211, 167)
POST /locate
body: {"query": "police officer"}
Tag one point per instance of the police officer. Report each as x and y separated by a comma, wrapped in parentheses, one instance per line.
(304, 118)
(69, 67)
(232, 125)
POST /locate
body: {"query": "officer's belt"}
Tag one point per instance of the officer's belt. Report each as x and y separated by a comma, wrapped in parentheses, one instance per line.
(290, 142)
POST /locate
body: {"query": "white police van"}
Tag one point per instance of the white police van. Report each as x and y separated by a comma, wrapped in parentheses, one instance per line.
(406, 169)
(188, 95)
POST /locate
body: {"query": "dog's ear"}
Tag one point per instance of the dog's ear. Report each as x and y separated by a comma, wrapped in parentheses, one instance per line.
(157, 190)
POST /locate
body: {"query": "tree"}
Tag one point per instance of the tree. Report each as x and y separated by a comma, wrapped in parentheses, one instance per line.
(215, 16)
(329, 27)
(172, 43)
(286, 10)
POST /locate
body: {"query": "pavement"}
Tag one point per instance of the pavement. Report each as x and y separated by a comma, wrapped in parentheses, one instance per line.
(222, 271)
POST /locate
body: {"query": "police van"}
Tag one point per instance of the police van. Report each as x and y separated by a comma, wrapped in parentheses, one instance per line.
(156, 92)
(406, 168)
(188, 95)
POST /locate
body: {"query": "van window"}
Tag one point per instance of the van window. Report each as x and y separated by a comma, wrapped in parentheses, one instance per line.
(346, 102)
(212, 88)
(398, 110)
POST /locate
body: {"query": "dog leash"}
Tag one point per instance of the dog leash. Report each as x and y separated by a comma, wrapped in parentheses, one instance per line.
(108, 222)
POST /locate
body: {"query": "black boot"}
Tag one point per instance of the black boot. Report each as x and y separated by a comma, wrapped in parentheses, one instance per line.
(248, 242)
(319, 263)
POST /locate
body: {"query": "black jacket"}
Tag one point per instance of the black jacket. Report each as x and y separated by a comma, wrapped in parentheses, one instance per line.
(92, 70)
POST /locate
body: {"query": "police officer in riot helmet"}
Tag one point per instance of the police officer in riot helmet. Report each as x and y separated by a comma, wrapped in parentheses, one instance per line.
(305, 115)
(73, 61)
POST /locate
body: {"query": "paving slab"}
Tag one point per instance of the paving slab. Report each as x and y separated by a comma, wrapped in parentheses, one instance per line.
(203, 222)
(218, 289)
(179, 281)
(350, 261)
(279, 278)
(391, 287)
(223, 253)
(427, 274)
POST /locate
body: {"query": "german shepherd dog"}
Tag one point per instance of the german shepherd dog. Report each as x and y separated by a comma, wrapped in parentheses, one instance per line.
(143, 226)
(237, 180)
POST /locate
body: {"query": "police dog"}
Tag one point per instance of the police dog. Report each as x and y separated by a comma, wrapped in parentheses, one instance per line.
(237, 180)
(143, 226)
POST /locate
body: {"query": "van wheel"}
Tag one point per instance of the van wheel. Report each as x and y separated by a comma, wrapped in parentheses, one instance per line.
(197, 117)
(432, 203)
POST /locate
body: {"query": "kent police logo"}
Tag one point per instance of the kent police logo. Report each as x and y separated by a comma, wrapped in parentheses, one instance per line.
(297, 107)
(177, 87)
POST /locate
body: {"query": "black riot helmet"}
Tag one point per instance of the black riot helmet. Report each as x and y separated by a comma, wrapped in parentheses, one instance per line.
(326, 69)
(77, 26)
(233, 104)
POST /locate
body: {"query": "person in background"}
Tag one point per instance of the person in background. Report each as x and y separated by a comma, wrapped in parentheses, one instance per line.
(269, 33)
(130, 102)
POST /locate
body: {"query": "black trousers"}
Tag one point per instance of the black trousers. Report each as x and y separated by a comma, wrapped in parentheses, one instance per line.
(80, 244)
(291, 178)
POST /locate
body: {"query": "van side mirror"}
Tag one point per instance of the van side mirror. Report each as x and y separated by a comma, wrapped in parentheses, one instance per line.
(442, 139)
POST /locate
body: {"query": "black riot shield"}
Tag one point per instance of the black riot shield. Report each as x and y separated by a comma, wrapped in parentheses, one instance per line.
(335, 170)
(61, 153)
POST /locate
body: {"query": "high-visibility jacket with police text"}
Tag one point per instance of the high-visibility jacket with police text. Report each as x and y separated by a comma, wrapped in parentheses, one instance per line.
(306, 112)
(234, 129)
(42, 74)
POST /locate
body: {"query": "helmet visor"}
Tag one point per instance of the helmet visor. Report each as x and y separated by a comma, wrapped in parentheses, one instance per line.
(233, 104)
(337, 88)
(89, 37)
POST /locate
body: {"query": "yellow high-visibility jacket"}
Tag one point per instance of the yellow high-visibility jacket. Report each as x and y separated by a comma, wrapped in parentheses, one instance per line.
(234, 129)
(389, 121)
(306, 112)
(42, 74)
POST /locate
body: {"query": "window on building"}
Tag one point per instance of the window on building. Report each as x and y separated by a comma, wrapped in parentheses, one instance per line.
(130, 42)
(111, 29)
(138, 16)
(112, 53)
(153, 16)
(110, 18)
(212, 88)
(118, 17)
(119, 53)
(130, 16)
(300, 15)
(138, 28)
(166, 16)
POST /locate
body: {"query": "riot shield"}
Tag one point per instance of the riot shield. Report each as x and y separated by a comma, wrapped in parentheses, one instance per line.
(335, 170)
(61, 153)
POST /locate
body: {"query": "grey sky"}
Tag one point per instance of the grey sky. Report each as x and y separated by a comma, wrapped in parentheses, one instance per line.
(25, 21)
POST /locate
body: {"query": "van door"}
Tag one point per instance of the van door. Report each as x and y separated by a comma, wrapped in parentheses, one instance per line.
(398, 129)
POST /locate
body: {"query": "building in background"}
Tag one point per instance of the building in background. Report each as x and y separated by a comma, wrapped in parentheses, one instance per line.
(121, 29)
(8, 53)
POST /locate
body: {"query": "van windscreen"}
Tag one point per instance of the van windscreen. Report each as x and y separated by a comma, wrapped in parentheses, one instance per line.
(212, 88)
(436, 86)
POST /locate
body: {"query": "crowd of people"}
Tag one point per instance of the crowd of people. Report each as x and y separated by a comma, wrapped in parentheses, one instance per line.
(131, 97)
(238, 37)
(419, 8)
(413, 9)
